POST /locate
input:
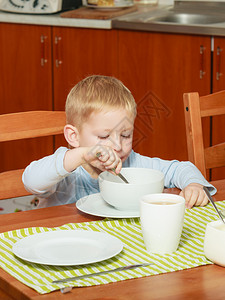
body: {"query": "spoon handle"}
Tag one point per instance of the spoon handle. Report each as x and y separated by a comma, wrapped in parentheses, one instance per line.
(121, 176)
(98, 154)
(211, 200)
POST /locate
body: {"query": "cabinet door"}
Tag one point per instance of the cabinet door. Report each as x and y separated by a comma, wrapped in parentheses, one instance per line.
(26, 84)
(218, 80)
(158, 69)
(79, 53)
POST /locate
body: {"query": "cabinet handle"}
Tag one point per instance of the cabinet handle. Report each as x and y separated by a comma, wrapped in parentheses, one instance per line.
(58, 61)
(202, 57)
(44, 59)
(218, 63)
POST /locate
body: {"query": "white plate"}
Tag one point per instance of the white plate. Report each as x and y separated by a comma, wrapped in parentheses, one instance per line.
(96, 206)
(109, 7)
(67, 247)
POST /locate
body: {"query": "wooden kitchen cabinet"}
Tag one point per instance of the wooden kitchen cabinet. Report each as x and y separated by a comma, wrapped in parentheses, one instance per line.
(40, 64)
(218, 84)
(78, 53)
(26, 84)
(158, 68)
(32, 56)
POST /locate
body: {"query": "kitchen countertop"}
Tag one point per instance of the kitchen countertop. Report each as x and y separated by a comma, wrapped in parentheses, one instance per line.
(53, 20)
(130, 21)
(136, 22)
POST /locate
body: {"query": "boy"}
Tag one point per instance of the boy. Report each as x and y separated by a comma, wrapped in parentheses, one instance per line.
(100, 114)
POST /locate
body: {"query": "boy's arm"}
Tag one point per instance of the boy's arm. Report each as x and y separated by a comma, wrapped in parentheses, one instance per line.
(177, 173)
(41, 176)
(99, 156)
(194, 195)
(189, 179)
(181, 174)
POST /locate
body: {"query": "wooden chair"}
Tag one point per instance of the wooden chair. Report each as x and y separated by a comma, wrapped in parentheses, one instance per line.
(196, 108)
(24, 125)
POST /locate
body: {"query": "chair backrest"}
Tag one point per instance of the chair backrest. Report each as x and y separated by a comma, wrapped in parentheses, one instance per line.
(24, 125)
(195, 108)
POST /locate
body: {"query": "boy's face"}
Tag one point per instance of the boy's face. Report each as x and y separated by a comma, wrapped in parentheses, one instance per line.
(113, 128)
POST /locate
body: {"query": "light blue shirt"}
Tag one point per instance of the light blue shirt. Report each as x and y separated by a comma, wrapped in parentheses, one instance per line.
(53, 185)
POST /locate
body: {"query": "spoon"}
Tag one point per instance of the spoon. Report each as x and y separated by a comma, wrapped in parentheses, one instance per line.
(114, 170)
(213, 203)
(121, 176)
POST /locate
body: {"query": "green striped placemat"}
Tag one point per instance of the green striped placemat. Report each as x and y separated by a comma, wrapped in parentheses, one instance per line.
(39, 277)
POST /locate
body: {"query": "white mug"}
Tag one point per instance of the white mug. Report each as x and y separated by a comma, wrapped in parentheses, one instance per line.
(162, 218)
(214, 242)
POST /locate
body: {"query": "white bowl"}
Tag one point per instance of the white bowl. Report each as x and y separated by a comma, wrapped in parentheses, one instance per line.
(214, 243)
(123, 196)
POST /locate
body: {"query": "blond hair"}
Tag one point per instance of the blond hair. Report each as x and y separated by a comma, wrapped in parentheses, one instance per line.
(96, 93)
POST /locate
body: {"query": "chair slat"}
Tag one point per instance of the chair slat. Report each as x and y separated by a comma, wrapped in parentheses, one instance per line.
(215, 156)
(23, 125)
(195, 108)
(31, 124)
(215, 107)
(11, 184)
(194, 131)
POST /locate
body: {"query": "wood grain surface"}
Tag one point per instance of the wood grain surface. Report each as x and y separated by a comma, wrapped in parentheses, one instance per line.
(94, 13)
(205, 282)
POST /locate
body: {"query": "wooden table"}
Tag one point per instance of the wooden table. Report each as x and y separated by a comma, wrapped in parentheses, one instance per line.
(204, 282)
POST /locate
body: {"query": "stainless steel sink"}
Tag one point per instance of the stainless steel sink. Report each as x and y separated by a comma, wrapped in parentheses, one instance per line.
(185, 16)
(187, 19)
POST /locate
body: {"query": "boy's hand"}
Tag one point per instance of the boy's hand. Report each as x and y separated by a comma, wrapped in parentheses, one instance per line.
(103, 158)
(194, 195)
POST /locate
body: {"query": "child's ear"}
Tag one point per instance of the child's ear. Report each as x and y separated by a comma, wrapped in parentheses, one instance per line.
(71, 134)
